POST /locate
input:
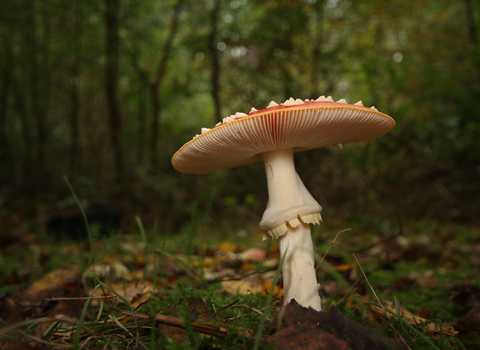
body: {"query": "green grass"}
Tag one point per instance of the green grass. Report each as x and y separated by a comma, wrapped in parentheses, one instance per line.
(441, 249)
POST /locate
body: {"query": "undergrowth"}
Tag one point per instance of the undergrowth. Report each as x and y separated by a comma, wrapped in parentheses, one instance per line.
(241, 321)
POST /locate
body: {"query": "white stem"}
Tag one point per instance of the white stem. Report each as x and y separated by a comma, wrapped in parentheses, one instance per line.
(287, 191)
(299, 278)
(282, 179)
(285, 188)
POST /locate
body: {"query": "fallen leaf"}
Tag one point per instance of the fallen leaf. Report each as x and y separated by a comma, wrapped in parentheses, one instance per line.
(11, 310)
(253, 284)
(344, 267)
(226, 247)
(409, 317)
(11, 344)
(468, 328)
(54, 284)
(61, 283)
(135, 292)
(109, 270)
(133, 248)
(465, 293)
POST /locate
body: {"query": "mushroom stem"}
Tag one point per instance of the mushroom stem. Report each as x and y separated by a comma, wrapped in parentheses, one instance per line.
(288, 197)
(285, 188)
(289, 201)
(299, 278)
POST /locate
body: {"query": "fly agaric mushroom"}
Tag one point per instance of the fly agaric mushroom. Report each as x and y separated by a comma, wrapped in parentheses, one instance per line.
(273, 135)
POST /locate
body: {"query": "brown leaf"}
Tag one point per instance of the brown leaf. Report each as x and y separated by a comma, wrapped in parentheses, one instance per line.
(305, 328)
(11, 344)
(344, 267)
(410, 318)
(226, 247)
(468, 327)
(253, 284)
(465, 293)
(71, 308)
(110, 269)
(11, 310)
(65, 282)
(136, 293)
(54, 284)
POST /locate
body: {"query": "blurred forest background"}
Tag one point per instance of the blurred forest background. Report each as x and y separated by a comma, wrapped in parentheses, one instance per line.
(106, 91)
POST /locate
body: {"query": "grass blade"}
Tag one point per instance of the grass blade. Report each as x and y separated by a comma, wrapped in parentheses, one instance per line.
(85, 219)
(263, 319)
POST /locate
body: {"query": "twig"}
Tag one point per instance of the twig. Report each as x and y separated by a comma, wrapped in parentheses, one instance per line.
(251, 308)
(331, 245)
(176, 322)
(226, 307)
(79, 298)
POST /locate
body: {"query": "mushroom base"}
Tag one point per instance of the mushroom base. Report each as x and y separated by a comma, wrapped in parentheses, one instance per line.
(299, 278)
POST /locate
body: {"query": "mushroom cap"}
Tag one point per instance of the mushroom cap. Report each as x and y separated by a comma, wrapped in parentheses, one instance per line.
(302, 127)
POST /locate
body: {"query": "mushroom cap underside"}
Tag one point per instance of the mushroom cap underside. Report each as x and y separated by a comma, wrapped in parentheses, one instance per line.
(301, 127)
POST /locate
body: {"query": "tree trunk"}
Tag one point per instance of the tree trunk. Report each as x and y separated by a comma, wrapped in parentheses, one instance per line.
(155, 123)
(112, 9)
(157, 82)
(472, 32)
(44, 92)
(31, 39)
(5, 85)
(317, 49)
(27, 156)
(75, 93)
(38, 51)
(143, 90)
(142, 123)
(215, 72)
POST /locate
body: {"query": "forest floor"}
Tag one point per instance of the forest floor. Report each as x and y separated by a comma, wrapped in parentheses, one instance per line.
(416, 286)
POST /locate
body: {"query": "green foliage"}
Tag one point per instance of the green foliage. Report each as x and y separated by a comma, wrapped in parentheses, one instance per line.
(418, 64)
